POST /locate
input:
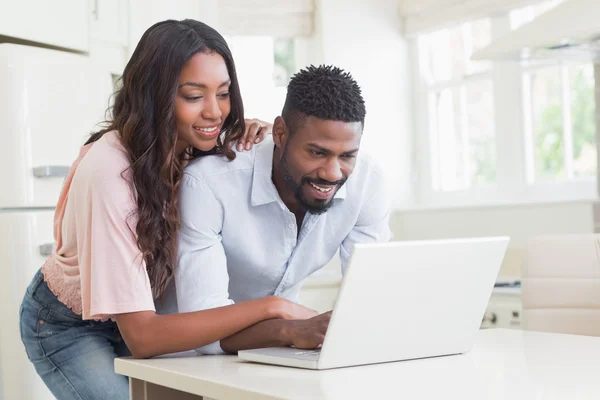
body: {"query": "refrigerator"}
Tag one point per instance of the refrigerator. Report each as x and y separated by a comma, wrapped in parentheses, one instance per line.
(50, 101)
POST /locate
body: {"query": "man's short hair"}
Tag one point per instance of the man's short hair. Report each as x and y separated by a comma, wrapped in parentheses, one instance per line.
(325, 92)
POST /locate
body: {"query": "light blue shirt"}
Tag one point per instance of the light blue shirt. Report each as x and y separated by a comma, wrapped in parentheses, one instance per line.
(238, 240)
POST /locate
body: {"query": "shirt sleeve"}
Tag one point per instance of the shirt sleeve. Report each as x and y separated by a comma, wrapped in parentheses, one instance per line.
(113, 274)
(201, 277)
(372, 225)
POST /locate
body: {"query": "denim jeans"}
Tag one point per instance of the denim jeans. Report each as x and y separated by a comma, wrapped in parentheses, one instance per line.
(73, 357)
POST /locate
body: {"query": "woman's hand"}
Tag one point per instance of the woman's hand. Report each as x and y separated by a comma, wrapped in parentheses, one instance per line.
(285, 309)
(256, 130)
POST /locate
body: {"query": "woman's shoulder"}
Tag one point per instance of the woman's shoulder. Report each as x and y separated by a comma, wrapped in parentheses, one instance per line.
(104, 162)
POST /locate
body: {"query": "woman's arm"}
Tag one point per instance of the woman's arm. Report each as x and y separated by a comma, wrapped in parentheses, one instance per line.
(149, 334)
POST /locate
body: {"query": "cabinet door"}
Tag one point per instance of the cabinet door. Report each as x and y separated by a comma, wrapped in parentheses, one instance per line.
(63, 23)
(53, 101)
(108, 21)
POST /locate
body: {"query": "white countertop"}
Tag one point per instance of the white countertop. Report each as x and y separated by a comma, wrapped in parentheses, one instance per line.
(505, 364)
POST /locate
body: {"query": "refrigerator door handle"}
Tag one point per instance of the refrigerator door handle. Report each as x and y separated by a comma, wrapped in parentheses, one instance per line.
(46, 249)
(50, 171)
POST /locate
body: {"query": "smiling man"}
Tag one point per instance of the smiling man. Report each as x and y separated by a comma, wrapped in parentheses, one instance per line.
(259, 225)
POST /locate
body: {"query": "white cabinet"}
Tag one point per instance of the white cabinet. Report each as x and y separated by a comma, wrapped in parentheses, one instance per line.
(111, 57)
(109, 21)
(109, 37)
(62, 23)
(51, 101)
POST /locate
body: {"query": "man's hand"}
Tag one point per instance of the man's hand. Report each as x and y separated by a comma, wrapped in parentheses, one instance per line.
(308, 333)
(279, 332)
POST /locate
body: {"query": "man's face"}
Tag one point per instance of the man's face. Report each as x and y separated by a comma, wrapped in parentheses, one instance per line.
(317, 160)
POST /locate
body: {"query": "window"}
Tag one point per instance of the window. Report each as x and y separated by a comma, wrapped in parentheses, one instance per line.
(501, 132)
(461, 106)
(560, 126)
(558, 111)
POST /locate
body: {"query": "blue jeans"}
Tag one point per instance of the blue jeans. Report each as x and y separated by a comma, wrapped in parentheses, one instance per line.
(73, 357)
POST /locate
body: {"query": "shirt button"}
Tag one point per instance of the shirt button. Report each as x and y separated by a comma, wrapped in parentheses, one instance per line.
(291, 226)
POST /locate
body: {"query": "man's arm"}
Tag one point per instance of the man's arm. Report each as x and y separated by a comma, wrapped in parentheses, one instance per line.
(201, 277)
(372, 225)
(303, 334)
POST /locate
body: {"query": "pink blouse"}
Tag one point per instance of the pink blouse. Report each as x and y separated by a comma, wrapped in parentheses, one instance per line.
(97, 269)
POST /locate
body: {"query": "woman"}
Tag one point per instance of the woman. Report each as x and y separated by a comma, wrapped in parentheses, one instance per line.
(117, 220)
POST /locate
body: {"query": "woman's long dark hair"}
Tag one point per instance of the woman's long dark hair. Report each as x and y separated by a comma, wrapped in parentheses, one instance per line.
(143, 116)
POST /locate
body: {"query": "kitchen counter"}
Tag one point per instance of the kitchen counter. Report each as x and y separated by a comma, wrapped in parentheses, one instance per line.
(504, 364)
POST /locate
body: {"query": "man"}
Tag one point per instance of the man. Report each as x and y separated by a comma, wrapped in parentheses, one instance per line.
(259, 225)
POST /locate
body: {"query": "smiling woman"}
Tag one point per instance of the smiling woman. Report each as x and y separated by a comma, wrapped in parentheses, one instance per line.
(117, 220)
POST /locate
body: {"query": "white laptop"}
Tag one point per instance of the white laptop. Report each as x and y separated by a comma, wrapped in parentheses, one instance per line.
(403, 301)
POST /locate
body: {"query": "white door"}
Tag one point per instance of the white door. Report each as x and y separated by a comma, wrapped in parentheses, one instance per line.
(24, 238)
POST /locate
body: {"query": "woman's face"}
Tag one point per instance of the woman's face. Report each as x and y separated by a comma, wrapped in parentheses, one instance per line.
(202, 103)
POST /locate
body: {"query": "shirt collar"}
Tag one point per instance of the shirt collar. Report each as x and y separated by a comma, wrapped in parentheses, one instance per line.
(263, 189)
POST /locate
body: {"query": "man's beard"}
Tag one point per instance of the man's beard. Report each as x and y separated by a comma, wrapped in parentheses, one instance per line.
(316, 206)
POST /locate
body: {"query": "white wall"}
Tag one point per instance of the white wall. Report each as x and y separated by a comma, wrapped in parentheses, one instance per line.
(145, 13)
(518, 222)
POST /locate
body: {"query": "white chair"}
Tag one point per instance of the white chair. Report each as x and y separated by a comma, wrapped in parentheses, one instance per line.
(561, 284)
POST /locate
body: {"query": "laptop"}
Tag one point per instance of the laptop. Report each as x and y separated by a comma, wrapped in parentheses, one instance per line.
(403, 301)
